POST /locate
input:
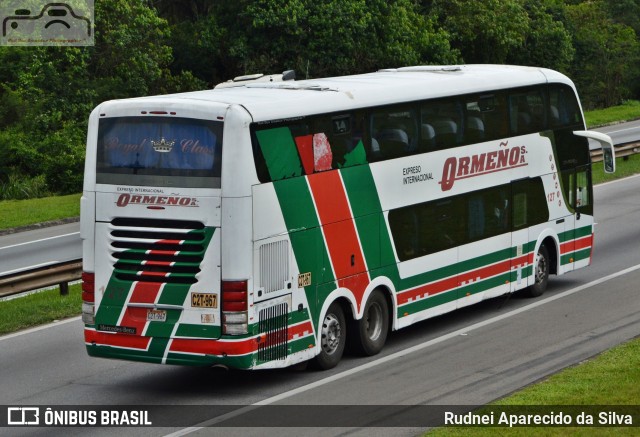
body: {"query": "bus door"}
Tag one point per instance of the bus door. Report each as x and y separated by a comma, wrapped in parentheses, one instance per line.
(576, 240)
(521, 245)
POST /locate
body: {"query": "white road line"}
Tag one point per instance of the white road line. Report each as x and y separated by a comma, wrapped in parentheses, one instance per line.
(399, 354)
(622, 130)
(624, 179)
(42, 239)
(40, 328)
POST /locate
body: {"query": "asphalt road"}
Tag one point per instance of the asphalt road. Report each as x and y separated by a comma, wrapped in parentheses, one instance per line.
(40, 247)
(470, 357)
(623, 132)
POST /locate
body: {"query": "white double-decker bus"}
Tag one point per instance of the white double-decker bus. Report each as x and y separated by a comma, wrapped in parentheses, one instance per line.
(271, 223)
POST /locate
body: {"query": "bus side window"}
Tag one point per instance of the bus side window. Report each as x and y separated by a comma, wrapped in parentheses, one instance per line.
(563, 107)
(526, 112)
(582, 191)
(444, 116)
(530, 206)
(393, 133)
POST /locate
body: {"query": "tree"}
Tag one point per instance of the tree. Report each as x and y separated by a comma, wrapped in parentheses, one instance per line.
(547, 43)
(483, 31)
(326, 37)
(607, 55)
(48, 92)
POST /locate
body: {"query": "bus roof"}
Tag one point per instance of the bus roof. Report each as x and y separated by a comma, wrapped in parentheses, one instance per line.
(281, 100)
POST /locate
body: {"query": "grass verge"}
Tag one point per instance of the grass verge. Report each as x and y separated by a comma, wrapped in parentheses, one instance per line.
(39, 308)
(629, 110)
(609, 379)
(624, 168)
(16, 213)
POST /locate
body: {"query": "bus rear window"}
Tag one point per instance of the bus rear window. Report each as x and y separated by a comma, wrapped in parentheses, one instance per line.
(159, 151)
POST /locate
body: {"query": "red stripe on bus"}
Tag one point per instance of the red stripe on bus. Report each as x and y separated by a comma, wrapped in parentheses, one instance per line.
(170, 242)
(163, 252)
(301, 330)
(217, 347)
(339, 231)
(116, 340)
(149, 273)
(145, 292)
(523, 260)
(573, 245)
(137, 317)
(158, 263)
(456, 281)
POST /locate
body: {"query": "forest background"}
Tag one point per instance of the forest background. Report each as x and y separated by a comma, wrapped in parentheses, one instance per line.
(147, 47)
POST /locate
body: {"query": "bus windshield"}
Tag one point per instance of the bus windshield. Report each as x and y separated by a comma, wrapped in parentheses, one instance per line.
(159, 151)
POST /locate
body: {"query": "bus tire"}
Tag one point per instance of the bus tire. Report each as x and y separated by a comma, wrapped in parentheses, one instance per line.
(540, 272)
(333, 335)
(370, 332)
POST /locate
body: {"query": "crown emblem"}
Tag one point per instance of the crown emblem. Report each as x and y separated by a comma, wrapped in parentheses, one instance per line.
(162, 146)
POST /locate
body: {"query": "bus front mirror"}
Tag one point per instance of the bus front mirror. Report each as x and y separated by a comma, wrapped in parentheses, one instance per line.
(608, 152)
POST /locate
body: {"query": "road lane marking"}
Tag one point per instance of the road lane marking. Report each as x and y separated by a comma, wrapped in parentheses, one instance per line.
(39, 328)
(398, 354)
(42, 239)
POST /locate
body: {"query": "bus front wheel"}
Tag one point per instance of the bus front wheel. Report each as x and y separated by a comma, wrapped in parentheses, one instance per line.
(333, 334)
(540, 272)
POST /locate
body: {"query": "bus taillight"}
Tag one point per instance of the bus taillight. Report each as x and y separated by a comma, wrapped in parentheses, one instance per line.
(88, 297)
(234, 307)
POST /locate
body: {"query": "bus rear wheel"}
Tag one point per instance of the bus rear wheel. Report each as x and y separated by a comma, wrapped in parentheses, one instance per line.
(369, 334)
(540, 272)
(333, 335)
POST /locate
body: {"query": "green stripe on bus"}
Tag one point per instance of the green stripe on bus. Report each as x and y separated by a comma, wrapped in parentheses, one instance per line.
(113, 299)
(365, 206)
(301, 344)
(192, 330)
(575, 256)
(299, 316)
(280, 153)
(153, 355)
(573, 234)
(306, 237)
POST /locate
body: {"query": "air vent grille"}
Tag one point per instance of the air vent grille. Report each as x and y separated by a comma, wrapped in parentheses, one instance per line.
(166, 251)
(273, 326)
(274, 266)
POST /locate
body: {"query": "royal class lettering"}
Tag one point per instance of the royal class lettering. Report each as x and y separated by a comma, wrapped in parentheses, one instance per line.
(187, 146)
(414, 174)
(482, 163)
(126, 199)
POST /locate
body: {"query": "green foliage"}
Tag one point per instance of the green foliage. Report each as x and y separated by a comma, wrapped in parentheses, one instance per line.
(330, 37)
(48, 93)
(17, 213)
(39, 308)
(484, 32)
(546, 31)
(627, 111)
(607, 55)
(145, 47)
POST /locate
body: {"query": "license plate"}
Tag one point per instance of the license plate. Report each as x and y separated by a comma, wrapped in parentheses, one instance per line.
(156, 315)
(204, 300)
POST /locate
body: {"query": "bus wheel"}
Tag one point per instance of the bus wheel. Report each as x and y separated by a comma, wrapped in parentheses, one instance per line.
(333, 334)
(370, 332)
(541, 272)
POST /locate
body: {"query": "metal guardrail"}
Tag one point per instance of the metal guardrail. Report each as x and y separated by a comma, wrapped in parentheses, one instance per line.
(622, 150)
(58, 274)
